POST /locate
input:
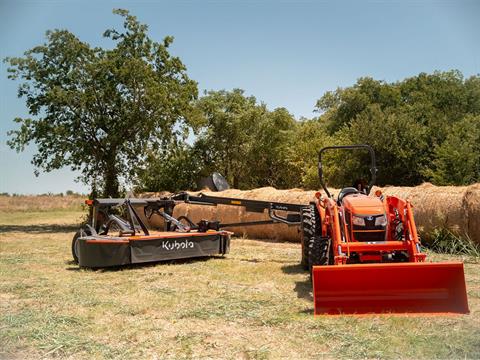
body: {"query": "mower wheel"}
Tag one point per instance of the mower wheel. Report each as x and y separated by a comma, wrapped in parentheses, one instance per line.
(85, 231)
(308, 230)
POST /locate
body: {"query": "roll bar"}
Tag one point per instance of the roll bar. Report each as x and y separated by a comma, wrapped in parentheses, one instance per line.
(373, 168)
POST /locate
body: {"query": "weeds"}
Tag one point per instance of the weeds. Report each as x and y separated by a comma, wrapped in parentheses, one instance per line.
(446, 242)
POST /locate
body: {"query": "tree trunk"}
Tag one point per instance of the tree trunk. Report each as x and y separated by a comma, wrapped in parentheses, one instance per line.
(111, 181)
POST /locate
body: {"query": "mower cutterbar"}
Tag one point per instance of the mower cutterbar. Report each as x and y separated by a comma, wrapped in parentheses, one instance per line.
(104, 251)
(94, 246)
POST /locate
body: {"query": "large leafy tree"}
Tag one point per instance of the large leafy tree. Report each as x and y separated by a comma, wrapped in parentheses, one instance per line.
(309, 137)
(244, 141)
(407, 122)
(434, 100)
(457, 159)
(268, 160)
(98, 110)
(173, 168)
(235, 136)
(400, 144)
(224, 141)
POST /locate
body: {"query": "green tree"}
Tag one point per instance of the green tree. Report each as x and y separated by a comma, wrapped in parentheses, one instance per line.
(236, 137)
(224, 141)
(457, 159)
(309, 137)
(400, 145)
(172, 168)
(436, 101)
(98, 110)
(433, 100)
(243, 140)
(267, 159)
(406, 122)
(341, 106)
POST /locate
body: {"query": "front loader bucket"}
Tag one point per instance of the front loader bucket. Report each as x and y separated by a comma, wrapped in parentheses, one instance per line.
(390, 288)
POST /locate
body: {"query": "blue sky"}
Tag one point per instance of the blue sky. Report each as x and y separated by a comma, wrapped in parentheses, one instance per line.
(286, 53)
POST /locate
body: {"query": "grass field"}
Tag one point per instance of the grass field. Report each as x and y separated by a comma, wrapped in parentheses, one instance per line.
(253, 304)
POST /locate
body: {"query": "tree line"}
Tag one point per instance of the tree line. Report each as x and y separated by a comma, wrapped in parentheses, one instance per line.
(131, 115)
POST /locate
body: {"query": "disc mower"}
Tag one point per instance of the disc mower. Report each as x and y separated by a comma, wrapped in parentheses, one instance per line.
(117, 232)
(365, 256)
(117, 235)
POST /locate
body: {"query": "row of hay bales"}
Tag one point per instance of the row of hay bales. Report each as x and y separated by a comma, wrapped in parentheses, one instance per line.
(456, 208)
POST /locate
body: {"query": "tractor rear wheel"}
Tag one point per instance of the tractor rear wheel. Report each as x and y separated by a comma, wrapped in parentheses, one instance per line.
(320, 251)
(308, 230)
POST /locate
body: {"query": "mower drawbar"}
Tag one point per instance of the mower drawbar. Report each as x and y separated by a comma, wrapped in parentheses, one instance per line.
(413, 287)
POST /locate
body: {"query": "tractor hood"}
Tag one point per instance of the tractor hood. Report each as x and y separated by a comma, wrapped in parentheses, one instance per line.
(359, 204)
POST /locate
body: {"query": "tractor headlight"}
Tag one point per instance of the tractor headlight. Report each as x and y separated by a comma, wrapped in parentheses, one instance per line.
(381, 221)
(357, 220)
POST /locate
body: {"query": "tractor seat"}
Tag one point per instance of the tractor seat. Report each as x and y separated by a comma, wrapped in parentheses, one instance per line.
(344, 192)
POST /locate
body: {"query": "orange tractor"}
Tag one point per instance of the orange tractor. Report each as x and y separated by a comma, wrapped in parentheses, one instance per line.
(365, 256)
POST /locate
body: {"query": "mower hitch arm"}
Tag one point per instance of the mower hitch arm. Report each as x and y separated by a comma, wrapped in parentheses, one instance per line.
(258, 206)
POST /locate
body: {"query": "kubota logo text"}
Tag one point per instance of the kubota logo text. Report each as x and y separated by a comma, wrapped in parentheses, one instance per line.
(177, 245)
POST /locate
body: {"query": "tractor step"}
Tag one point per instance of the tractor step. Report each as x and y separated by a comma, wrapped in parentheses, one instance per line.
(390, 288)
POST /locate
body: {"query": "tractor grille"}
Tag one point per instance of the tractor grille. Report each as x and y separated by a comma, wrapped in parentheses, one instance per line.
(369, 236)
(369, 232)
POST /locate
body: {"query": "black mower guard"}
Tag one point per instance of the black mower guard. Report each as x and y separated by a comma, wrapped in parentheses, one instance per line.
(104, 251)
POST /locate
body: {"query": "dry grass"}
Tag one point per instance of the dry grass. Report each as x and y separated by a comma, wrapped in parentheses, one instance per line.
(40, 203)
(254, 304)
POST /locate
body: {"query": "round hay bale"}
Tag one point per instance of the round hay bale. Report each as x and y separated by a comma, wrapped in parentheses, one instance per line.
(434, 207)
(471, 203)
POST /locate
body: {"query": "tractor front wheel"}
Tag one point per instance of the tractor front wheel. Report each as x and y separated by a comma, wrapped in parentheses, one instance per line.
(320, 252)
(316, 249)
